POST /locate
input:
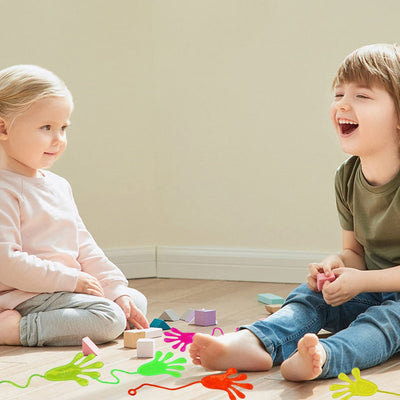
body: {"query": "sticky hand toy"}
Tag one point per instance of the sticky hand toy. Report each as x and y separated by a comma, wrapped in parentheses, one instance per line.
(74, 370)
(220, 382)
(183, 339)
(359, 387)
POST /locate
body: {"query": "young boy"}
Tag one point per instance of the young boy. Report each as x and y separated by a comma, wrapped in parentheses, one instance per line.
(362, 305)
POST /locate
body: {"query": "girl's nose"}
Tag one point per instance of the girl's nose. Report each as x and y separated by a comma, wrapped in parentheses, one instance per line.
(59, 136)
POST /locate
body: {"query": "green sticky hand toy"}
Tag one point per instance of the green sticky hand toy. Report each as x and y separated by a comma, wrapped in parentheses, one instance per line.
(74, 370)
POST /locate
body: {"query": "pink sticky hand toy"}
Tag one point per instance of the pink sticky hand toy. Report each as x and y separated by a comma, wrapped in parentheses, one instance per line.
(183, 339)
(322, 278)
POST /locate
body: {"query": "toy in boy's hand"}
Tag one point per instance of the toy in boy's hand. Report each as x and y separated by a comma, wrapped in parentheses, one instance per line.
(322, 278)
(221, 382)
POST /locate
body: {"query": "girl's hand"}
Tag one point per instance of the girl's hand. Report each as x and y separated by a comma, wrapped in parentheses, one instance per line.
(329, 264)
(133, 315)
(88, 284)
(346, 286)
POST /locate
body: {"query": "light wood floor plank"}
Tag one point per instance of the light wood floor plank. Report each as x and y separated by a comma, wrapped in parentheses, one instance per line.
(235, 303)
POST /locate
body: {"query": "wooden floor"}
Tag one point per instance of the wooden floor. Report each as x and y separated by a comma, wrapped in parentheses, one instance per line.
(235, 303)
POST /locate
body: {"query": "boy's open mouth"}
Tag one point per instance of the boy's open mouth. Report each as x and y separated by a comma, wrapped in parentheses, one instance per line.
(347, 127)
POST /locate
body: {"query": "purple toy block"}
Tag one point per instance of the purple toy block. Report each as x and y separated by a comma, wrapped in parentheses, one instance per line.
(205, 317)
(322, 278)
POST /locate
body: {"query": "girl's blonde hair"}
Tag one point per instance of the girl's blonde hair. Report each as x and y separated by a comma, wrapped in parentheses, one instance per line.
(376, 63)
(22, 85)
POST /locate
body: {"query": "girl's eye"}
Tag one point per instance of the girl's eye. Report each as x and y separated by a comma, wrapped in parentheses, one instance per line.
(361, 96)
(64, 128)
(338, 96)
(46, 127)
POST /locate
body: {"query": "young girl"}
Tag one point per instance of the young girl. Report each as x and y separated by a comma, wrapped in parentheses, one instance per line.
(56, 285)
(362, 306)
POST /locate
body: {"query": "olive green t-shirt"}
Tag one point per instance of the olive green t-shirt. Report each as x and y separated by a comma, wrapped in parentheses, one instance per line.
(372, 212)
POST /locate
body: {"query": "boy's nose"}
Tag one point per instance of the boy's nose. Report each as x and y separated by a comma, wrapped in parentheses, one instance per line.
(343, 104)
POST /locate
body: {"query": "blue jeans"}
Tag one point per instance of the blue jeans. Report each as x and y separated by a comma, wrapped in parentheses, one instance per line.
(64, 318)
(366, 329)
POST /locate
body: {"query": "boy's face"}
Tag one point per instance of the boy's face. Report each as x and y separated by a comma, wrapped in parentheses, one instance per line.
(365, 119)
(37, 137)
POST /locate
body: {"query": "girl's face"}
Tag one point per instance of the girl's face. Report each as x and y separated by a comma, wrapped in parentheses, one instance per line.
(37, 137)
(365, 120)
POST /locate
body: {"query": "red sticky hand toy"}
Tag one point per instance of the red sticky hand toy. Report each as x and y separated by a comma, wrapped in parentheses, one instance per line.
(220, 382)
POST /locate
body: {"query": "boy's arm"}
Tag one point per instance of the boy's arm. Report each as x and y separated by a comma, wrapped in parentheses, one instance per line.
(352, 277)
(352, 253)
(351, 256)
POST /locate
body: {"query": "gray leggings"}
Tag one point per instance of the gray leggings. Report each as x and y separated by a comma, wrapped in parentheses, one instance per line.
(64, 318)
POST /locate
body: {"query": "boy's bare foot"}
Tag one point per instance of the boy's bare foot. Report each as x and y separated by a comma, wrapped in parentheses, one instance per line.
(307, 363)
(241, 350)
(9, 328)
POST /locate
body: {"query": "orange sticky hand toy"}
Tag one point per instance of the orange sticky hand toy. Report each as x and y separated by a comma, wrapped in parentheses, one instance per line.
(220, 382)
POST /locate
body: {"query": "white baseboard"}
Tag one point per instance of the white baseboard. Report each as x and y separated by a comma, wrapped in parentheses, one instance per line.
(135, 262)
(261, 265)
(235, 264)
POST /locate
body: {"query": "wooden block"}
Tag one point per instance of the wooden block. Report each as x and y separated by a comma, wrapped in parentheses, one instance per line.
(146, 348)
(159, 323)
(169, 315)
(188, 315)
(153, 332)
(205, 317)
(88, 347)
(324, 334)
(269, 298)
(322, 278)
(132, 336)
(272, 308)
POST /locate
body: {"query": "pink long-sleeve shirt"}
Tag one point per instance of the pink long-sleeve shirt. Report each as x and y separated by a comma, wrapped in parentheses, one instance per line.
(44, 243)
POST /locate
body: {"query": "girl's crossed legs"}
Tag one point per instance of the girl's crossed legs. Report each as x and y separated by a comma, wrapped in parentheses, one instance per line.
(64, 318)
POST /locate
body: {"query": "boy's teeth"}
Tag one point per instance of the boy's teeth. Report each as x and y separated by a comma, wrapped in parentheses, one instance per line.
(347, 126)
(341, 121)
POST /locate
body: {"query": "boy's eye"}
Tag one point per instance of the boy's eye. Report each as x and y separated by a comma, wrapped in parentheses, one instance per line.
(362, 96)
(338, 95)
(46, 127)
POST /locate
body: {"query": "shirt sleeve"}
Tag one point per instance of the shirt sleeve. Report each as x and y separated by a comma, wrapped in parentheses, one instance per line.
(342, 203)
(23, 271)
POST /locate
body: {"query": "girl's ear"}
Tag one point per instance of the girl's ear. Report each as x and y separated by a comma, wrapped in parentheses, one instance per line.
(3, 129)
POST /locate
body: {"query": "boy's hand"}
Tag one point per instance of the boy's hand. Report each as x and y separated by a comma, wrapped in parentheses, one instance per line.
(329, 264)
(133, 315)
(88, 284)
(346, 286)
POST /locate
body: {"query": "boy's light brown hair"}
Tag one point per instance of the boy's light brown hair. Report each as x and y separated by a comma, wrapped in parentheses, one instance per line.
(373, 64)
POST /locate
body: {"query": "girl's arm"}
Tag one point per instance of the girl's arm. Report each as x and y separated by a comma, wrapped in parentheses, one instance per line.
(23, 271)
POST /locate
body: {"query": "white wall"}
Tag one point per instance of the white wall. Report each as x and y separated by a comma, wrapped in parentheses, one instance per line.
(200, 122)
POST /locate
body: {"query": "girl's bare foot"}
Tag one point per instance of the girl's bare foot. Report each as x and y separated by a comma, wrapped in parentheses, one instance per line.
(241, 350)
(307, 363)
(9, 328)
